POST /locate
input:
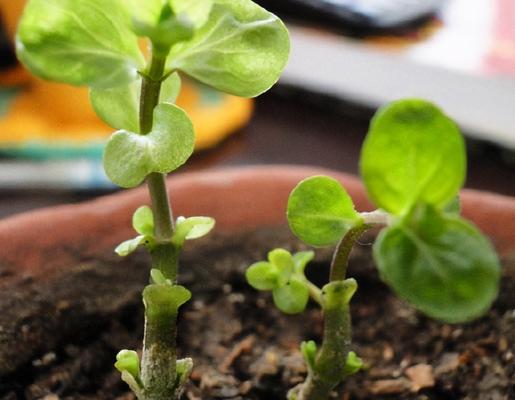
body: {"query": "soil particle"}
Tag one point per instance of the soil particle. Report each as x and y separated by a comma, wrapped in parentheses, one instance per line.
(243, 347)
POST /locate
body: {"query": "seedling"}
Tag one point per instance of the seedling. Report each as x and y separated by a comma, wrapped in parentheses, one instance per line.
(413, 164)
(232, 45)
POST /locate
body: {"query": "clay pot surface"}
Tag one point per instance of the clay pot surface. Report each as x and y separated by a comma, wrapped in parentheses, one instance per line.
(239, 198)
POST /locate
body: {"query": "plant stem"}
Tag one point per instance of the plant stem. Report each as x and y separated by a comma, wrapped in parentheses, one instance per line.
(158, 364)
(342, 252)
(329, 366)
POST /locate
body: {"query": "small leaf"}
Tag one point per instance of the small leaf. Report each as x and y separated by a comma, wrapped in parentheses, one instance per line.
(242, 49)
(283, 261)
(119, 106)
(263, 276)
(85, 42)
(309, 352)
(165, 33)
(129, 246)
(128, 360)
(130, 157)
(320, 211)
(301, 259)
(196, 11)
(184, 366)
(352, 365)
(158, 277)
(439, 263)
(338, 293)
(293, 297)
(143, 221)
(413, 153)
(191, 228)
(164, 300)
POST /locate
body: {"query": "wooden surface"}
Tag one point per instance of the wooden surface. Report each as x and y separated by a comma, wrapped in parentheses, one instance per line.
(293, 128)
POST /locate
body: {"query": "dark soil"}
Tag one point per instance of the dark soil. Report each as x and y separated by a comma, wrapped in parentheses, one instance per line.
(242, 346)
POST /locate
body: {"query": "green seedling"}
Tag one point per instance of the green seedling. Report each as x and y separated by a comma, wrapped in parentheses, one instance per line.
(413, 164)
(231, 45)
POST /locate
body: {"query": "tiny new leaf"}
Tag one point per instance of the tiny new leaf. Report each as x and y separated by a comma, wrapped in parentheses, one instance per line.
(320, 211)
(242, 49)
(119, 106)
(196, 11)
(143, 221)
(87, 42)
(413, 153)
(163, 300)
(129, 246)
(191, 228)
(130, 157)
(439, 263)
(293, 297)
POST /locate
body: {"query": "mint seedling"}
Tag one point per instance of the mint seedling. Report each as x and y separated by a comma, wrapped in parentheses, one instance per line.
(232, 45)
(413, 164)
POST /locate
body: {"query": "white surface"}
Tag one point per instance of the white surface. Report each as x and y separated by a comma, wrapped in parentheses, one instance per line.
(484, 106)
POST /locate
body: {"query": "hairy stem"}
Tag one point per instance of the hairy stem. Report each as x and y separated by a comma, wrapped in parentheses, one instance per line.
(158, 364)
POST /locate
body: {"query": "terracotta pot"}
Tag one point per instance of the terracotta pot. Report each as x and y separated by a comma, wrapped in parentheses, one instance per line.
(239, 198)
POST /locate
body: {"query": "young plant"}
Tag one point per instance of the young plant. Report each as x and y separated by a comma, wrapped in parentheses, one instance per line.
(413, 164)
(232, 45)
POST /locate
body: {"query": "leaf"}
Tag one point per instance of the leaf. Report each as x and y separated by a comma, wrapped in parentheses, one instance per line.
(197, 11)
(309, 352)
(301, 259)
(143, 221)
(158, 277)
(283, 261)
(163, 300)
(119, 106)
(439, 263)
(320, 211)
(413, 153)
(338, 293)
(191, 228)
(130, 157)
(129, 246)
(293, 297)
(241, 50)
(87, 42)
(352, 365)
(128, 360)
(263, 276)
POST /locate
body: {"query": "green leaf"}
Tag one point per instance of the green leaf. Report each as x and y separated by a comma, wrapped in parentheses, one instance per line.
(309, 352)
(301, 259)
(338, 293)
(143, 221)
(130, 157)
(128, 360)
(119, 106)
(242, 49)
(320, 211)
(191, 228)
(85, 42)
(162, 300)
(439, 263)
(196, 11)
(353, 364)
(262, 276)
(283, 260)
(129, 246)
(413, 153)
(293, 297)
(158, 277)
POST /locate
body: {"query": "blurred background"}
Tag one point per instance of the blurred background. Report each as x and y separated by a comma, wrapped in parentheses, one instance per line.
(348, 57)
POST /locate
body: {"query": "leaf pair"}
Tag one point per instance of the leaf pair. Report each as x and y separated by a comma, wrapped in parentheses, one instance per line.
(235, 45)
(143, 223)
(413, 165)
(283, 274)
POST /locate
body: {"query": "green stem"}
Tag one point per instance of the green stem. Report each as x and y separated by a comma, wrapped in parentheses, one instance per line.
(329, 366)
(158, 364)
(342, 252)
